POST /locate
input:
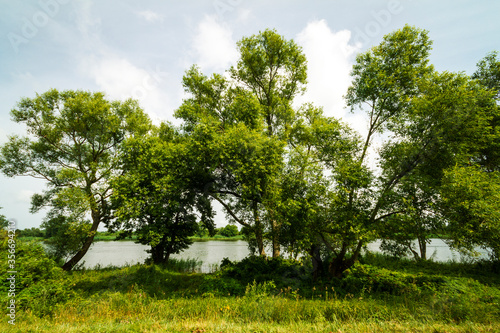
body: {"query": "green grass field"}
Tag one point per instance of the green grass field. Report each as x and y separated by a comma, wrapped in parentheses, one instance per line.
(379, 294)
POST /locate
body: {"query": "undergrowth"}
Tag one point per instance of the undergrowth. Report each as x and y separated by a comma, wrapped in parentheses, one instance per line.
(277, 293)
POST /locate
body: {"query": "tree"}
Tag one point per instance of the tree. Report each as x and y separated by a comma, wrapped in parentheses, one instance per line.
(434, 120)
(488, 75)
(415, 202)
(275, 71)
(471, 204)
(64, 235)
(255, 105)
(385, 78)
(470, 190)
(443, 127)
(229, 230)
(74, 140)
(157, 197)
(4, 222)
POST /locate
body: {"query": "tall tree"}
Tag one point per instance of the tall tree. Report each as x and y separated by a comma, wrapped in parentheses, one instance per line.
(155, 196)
(73, 142)
(488, 75)
(385, 78)
(275, 71)
(271, 72)
(470, 190)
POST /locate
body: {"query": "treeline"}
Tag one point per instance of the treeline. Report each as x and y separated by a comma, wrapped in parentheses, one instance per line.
(291, 177)
(227, 231)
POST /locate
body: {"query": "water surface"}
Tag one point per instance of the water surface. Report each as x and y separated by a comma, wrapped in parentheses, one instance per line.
(119, 253)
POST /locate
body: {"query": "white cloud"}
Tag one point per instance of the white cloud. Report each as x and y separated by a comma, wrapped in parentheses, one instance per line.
(117, 76)
(120, 79)
(214, 46)
(329, 57)
(150, 16)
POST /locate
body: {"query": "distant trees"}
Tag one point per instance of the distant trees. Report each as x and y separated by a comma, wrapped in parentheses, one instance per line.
(229, 230)
(3, 221)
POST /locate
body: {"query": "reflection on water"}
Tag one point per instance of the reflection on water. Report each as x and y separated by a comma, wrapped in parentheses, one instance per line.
(211, 253)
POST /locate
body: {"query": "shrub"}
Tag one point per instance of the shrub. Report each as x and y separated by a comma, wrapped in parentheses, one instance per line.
(285, 272)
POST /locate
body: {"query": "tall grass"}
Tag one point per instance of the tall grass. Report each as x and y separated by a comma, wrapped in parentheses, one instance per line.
(135, 311)
(379, 295)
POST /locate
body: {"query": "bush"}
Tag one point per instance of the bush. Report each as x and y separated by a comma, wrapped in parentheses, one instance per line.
(362, 278)
(285, 272)
(32, 263)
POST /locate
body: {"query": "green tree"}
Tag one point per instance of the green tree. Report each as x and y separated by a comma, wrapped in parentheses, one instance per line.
(385, 78)
(470, 190)
(255, 106)
(414, 204)
(74, 140)
(471, 204)
(275, 71)
(64, 235)
(4, 222)
(442, 127)
(157, 197)
(225, 129)
(488, 75)
(229, 230)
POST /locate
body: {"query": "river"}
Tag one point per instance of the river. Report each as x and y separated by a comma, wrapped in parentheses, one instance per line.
(119, 253)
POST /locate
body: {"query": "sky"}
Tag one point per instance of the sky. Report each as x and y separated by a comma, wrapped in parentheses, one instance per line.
(141, 49)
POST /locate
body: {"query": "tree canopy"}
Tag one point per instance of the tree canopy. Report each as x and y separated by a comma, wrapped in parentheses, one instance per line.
(73, 142)
(293, 178)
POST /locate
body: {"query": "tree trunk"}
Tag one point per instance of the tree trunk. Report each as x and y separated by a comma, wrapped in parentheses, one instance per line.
(423, 248)
(259, 238)
(157, 254)
(276, 239)
(96, 218)
(259, 234)
(317, 263)
(340, 263)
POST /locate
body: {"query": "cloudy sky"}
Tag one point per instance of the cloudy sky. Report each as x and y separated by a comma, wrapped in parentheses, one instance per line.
(141, 49)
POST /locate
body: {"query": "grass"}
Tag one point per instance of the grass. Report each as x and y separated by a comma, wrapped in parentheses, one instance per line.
(381, 294)
(135, 311)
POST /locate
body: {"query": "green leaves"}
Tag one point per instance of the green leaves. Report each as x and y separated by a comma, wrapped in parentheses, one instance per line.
(471, 204)
(387, 76)
(275, 71)
(73, 142)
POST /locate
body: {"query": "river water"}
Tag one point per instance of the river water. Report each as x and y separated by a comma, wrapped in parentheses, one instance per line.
(119, 253)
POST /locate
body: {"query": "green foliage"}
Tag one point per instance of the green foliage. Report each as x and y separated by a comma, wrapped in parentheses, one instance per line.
(153, 296)
(157, 194)
(283, 272)
(4, 222)
(64, 236)
(73, 142)
(38, 277)
(471, 203)
(229, 230)
(488, 71)
(31, 263)
(31, 232)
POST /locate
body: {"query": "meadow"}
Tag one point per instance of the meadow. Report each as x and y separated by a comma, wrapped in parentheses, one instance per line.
(379, 294)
